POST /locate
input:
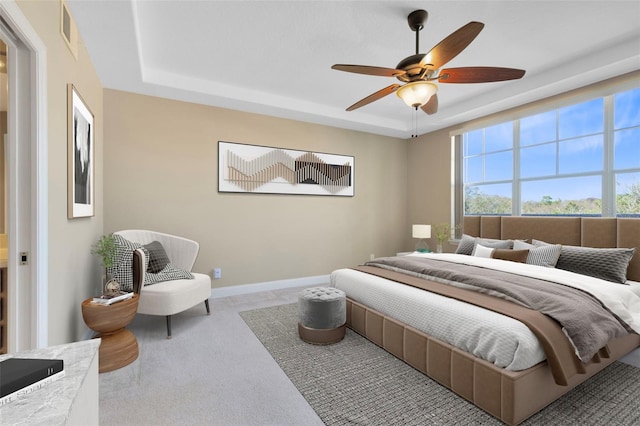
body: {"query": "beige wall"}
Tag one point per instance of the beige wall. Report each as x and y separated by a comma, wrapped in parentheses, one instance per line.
(74, 274)
(430, 155)
(430, 181)
(161, 165)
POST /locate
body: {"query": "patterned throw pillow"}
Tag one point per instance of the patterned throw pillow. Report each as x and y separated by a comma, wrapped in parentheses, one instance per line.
(545, 255)
(158, 258)
(122, 270)
(466, 244)
(608, 264)
(168, 273)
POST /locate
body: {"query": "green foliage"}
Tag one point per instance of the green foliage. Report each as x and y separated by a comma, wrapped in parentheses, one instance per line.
(443, 231)
(562, 207)
(476, 202)
(105, 248)
(629, 203)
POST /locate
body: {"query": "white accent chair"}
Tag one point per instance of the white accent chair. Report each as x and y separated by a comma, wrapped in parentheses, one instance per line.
(168, 297)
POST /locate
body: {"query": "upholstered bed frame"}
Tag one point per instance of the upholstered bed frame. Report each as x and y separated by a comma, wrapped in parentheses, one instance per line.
(510, 396)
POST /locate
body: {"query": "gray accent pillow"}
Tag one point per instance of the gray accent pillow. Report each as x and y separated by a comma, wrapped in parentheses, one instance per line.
(608, 264)
(541, 255)
(539, 243)
(467, 243)
(158, 258)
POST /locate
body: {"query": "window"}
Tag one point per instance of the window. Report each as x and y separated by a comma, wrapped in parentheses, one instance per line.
(577, 160)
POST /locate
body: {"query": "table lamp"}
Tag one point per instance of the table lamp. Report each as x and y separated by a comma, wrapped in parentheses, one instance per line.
(421, 232)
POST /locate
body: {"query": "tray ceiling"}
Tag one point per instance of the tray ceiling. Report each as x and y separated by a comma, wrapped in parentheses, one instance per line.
(274, 58)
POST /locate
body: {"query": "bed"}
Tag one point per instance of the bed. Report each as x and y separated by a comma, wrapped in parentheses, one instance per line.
(511, 387)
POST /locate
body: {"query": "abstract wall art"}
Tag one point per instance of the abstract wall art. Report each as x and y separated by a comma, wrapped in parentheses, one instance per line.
(267, 170)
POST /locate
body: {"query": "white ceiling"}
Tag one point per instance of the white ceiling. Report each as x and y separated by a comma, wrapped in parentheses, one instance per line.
(274, 57)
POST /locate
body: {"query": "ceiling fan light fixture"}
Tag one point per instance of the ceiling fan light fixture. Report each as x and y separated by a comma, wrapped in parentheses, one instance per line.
(417, 93)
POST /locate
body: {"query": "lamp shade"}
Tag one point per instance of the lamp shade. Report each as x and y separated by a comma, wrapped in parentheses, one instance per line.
(417, 93)
(421, 231)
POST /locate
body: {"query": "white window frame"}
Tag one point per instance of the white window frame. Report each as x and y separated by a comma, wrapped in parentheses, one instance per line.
(608, 174)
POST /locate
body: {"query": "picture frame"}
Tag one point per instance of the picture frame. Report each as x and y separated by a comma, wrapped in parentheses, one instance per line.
(80, 156)
(256, 169)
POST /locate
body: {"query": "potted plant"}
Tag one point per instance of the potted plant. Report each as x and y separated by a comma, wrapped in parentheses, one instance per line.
(443, 233)
(106, 249)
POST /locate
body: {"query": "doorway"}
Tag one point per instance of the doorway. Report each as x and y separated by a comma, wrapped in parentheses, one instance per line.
(25, 157)
(4, 294)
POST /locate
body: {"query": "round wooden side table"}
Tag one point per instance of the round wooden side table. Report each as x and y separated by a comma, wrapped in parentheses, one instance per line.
(119, 346)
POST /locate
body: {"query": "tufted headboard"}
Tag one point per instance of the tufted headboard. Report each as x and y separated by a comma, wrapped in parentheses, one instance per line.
(575, 231)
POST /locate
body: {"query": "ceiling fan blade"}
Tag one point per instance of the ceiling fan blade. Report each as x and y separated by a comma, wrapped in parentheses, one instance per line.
(479, 74)
(431, 107)
(374, 96)
(365, 69)
(452, 45)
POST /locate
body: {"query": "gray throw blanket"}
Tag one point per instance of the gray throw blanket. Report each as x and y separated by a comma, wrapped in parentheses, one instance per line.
(587, 323)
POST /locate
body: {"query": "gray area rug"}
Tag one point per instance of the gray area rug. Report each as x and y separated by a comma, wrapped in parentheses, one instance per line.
(356, 382)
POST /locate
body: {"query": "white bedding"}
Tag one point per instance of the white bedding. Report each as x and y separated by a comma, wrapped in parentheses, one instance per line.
(499, 339)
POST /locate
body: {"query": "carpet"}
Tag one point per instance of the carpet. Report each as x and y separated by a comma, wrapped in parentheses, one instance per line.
(356, 382)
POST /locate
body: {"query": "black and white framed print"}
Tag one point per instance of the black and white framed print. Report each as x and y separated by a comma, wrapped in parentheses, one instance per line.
(80, 161)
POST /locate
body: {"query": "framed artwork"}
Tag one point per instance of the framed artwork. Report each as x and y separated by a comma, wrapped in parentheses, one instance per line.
(266, 170)
(80, 160)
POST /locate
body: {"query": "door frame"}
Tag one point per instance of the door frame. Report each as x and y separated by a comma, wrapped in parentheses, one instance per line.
(28, 189)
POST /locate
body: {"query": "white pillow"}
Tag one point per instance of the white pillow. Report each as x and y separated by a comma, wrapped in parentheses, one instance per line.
(482, 251)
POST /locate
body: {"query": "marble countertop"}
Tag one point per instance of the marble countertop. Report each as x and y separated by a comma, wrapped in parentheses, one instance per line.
(51, 404)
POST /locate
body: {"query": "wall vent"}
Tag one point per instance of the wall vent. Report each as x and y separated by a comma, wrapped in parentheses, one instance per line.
(68, 29)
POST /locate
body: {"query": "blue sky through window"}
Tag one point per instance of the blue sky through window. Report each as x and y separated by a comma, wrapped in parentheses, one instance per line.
(562, 152)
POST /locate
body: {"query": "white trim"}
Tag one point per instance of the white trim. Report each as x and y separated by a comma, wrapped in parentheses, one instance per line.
(41, 196)
(39, 187)
(237, 290)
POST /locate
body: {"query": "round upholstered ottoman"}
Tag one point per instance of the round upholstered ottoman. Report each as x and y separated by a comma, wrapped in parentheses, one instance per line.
(322, 315)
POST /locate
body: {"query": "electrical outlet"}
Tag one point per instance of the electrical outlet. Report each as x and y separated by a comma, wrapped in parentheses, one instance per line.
(217, 273)
(372, 256)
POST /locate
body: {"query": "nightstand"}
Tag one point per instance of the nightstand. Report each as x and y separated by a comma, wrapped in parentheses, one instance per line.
(118, 346)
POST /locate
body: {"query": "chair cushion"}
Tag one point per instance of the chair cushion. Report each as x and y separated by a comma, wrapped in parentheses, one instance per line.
(171, 297)
(158, 258)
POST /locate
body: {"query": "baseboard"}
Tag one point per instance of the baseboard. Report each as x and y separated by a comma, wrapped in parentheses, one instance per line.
(268, 286)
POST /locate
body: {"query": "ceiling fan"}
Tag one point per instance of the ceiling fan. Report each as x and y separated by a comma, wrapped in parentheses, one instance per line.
(419, 70)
